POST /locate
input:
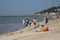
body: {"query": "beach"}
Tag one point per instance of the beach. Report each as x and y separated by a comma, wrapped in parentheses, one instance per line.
(29, 33)
(30, 20)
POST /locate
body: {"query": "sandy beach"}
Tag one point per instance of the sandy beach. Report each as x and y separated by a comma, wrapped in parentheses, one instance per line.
(29, 33)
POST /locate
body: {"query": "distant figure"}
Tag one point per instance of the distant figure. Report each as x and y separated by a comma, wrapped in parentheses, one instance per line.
(45, 20)
(30, 23)
(27, 21)
(34, 21)
(23, 21)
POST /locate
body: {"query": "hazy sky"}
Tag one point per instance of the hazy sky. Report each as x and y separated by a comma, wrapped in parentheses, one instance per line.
(25, 7)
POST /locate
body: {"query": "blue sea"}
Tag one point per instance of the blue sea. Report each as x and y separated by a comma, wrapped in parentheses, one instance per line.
(11, 23)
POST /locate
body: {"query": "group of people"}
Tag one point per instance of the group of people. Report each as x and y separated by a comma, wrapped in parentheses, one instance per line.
(28, 22)
(43, 27)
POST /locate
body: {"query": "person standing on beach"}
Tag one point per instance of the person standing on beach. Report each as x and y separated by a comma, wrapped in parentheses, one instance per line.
(23, 21)
(34, 21)
(27, 21)
(45, 20)
(30, 23)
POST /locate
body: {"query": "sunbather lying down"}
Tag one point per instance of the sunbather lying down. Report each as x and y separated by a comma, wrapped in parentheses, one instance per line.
(42, 29)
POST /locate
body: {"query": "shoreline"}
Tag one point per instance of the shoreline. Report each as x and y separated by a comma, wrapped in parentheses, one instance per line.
(17, 29)
(52, 26)
(38, 24)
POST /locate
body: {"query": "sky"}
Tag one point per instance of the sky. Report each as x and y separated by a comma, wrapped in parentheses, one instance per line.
(25, 7)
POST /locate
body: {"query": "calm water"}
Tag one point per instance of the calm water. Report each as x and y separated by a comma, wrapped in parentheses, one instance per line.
(10, 23)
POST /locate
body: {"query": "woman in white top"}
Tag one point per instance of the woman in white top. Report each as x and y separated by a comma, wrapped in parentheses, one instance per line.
(23, 22)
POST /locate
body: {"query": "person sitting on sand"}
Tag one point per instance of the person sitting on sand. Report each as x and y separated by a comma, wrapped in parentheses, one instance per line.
(42, 29)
